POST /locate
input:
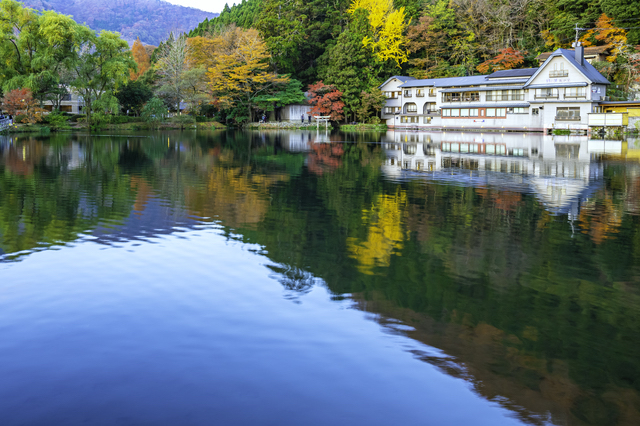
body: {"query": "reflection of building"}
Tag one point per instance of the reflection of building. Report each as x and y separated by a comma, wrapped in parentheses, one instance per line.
(558, 169)
(560, 94)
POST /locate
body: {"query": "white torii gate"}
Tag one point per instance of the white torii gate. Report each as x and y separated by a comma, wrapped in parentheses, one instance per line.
(324, 118)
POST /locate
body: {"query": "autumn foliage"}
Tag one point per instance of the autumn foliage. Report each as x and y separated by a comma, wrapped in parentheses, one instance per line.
(507, 59)
(20, 101)
(326, 100)
(141, 57)
(606, 33)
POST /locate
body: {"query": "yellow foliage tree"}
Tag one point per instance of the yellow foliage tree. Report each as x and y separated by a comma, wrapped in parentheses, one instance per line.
(606, 32)
(141, 57)
(239, 71)
(388, 26)
(202, 51)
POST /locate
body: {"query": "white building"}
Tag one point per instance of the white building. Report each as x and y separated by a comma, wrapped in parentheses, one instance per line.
(558, 95)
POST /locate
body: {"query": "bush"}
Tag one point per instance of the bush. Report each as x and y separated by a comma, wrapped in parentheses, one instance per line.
(74, 118)
(121, 119)
(56, 120)
(19, 118)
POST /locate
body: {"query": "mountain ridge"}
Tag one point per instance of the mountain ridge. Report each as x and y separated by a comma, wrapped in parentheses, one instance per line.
(150, 20)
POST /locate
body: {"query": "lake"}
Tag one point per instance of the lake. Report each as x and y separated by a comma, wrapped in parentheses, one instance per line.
(289, 278)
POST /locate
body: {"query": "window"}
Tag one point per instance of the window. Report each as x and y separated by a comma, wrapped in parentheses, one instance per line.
(535, 111)
(517, 111)
(473, 112)
(568, 114)
(575, 92)
(496, 112)
(427, 120)
(455, 113)
(446, 112)
(420, 93)
(405, 119)
(412, 108)
(407, 93)
(464, 112)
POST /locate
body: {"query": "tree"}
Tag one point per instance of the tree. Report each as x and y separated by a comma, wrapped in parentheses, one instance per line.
(173, 64)
(606, 32)
(372, 103)
(508, 58)
(103, 65)
(240, 72)
(141, 57)
(154, 111)
(35, 48)
(326, 100)
(133, 95)
(280, 95)
(387, 27)
(21, 101)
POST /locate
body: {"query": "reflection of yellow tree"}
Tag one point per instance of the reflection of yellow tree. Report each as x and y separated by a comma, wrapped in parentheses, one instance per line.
(384, 235)
(231, 194)
(600, 219)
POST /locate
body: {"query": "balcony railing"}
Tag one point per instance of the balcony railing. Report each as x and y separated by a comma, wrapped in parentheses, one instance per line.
(420, 94)
(519, 97)
(471, 98)
(407, 94)
(546, 96)
(558, 73)
(431, 113)
(576, 96)
(432, 93)
(567, 118)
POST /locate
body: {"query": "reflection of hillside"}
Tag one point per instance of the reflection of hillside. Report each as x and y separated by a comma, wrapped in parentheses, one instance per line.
(539, 391)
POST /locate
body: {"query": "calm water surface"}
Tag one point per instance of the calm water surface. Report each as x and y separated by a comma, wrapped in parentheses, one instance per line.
(302, 278)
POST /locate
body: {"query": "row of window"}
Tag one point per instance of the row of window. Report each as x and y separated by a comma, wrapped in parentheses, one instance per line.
(482, 112)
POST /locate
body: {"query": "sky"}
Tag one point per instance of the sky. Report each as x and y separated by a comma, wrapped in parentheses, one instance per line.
(207, 5)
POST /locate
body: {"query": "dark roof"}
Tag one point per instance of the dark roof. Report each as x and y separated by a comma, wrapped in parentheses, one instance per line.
(620, 103)
(586, 68)
(523, 72)
(588, 51)
(481, 89)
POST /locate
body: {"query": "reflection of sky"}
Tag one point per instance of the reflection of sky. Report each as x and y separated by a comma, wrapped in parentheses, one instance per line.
(189, 327)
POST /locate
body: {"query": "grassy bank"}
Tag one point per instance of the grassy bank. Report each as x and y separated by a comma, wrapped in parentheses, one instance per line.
(286, 125)
(363, 127)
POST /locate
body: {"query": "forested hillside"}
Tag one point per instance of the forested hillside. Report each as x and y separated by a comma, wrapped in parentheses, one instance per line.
(151, 20)
(310, 39)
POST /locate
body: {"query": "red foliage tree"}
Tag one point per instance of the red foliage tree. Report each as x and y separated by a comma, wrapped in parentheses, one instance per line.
(326, 100)
(507, 59)
(20, 101)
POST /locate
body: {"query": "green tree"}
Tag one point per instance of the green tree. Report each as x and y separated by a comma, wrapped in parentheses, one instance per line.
(133, 95)
(103, 65)
(154, 111)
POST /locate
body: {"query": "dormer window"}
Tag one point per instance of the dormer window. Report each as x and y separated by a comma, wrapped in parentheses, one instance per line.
(558, 70)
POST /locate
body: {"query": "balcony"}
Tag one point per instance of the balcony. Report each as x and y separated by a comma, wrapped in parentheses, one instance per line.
(420, 94)
(558, 73)
(576, 96)
(432, 113)
(468, 98)
(432, 93)
(567, 118)
(546, 96)
(407, 94)
(519, 97)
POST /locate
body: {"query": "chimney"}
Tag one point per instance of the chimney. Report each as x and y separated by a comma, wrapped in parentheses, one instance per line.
(580, 53)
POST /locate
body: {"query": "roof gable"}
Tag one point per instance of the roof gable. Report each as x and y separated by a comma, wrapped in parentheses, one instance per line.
(586, 69)
(400, 78)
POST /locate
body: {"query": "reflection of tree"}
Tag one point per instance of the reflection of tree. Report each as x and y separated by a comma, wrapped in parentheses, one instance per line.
(325, 157)
(600, 219)
(384, 235)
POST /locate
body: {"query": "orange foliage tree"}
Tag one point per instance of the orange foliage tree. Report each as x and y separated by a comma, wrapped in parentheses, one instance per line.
(606, 32)
(507, 59)
(141, 57)
(20, 101)
(326, 100)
